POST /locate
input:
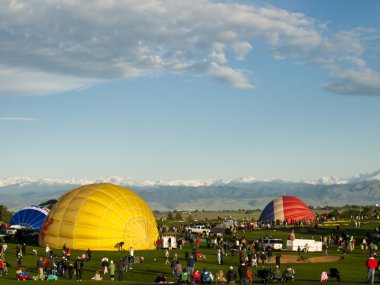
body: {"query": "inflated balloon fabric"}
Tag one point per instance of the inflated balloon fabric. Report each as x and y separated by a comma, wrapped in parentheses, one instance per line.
(99, 217)
(30, 217)
(286, 208)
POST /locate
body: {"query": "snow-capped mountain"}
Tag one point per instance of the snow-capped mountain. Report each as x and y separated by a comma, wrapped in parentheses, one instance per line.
(365, 177)
(327, 180)
(15, 180)
(212, 194)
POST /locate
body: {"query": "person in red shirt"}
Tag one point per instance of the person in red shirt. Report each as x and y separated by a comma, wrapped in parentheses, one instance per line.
(197, 242)
(371, 264)
(2, 267)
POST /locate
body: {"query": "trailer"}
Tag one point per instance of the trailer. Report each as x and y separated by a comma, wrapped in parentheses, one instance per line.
(165, 242)
(306, 245)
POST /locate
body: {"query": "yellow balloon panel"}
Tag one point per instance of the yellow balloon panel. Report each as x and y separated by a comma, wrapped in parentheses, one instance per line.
(99, 216)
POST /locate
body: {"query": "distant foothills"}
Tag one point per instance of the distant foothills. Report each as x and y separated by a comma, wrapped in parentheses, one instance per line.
(241, 193)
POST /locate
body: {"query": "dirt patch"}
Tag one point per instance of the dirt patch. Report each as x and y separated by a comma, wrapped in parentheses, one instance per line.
(322, 259)
(303, 259)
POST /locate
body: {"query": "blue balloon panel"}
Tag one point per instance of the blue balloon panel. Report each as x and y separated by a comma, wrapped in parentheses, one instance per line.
(30, 217)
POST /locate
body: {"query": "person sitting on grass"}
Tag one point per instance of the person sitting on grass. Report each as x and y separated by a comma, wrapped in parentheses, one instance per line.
(219, 277)
(289, 273)
(277, 273)
(206, 277)
(161, 278)
(324, 276)
(97, 276)
(22, 273)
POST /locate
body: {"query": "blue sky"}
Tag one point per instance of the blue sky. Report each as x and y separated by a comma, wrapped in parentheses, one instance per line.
(196, 89)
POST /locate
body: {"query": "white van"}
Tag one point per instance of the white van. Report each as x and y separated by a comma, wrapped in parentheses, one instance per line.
(13, 229)
(230, 223)
(275, 244)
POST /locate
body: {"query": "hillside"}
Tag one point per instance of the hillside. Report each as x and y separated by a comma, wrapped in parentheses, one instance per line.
(217, 196)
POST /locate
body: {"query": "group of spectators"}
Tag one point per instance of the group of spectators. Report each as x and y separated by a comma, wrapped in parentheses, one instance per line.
(248, 253)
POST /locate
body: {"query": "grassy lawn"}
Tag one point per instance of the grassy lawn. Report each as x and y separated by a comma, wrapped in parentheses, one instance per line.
(352, 268)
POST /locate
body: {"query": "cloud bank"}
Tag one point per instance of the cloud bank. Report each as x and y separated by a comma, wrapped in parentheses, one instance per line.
(51, 46)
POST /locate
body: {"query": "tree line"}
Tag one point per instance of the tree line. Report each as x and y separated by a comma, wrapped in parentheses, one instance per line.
(5, 214)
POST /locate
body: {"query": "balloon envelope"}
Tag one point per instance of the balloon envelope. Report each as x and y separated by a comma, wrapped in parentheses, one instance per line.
(99, 216)
(30, 217)
(286, 208)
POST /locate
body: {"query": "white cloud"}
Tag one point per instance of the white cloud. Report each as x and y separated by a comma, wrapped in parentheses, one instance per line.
(241, 49)
(231, 76)
(18, 81)
(17, 119)
(352, 82)
(58, 45)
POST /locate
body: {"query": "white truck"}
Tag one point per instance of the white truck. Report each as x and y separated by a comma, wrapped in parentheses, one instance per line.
(199, 229)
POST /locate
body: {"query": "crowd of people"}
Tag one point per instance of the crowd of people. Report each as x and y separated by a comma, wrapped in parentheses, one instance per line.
(248, 254)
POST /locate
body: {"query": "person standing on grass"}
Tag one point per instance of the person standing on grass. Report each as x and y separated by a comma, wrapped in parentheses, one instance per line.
(219, 253)
(269, 254)
(47, 251)
(326, 248)
(197, 242)
(120, 269)
(40, 267)
(371, 264)
(190, 265)
(5, 246)
(112, 270)
(104, 264)
(2, 267)
(78, 264)
(243, 274)
(231, 276)
(23, 249)
(278, 260)
(169, 243)
(177, 269)
(167, 257)
(263, 258)
(131, 257)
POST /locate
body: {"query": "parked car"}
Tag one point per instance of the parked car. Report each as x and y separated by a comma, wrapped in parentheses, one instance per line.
(275, 244)
(230, 223)
(13, 229)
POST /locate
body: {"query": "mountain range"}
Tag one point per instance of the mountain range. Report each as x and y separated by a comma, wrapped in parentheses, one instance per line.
(211, 194)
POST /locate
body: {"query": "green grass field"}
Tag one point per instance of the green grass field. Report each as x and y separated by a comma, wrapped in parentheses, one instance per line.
(352, 268)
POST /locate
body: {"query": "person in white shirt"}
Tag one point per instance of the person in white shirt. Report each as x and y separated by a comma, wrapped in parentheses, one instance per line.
(47, 251)
(131, 257)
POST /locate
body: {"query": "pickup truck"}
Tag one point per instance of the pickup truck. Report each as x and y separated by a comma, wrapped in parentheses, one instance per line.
(199, 230)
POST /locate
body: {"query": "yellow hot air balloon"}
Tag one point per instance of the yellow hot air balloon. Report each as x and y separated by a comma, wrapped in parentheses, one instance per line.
(99, 216)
